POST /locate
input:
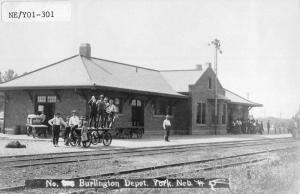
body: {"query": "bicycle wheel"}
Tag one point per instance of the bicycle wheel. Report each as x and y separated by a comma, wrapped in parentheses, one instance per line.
(94, 138)
(72, 140)
(107, 138)
(87, 143)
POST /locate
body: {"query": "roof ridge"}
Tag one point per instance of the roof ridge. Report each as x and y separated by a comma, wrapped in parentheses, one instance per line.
(164, 78)
(181, 70)
(90, 77)
(41, 68)
(97, 65)
(120, 63)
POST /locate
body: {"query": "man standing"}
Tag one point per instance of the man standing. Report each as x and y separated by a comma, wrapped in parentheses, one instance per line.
(268, 127)
(167, 127)
(101, 105)
(93, 113)
(56, 122)
(111, 110)
(74, 123)
(67, 131)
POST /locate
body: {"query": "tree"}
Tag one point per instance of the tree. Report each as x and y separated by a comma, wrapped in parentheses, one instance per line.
(8, 75)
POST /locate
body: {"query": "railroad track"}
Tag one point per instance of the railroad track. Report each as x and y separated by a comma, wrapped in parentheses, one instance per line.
(164, 166)
(37, 160)
(49, 155)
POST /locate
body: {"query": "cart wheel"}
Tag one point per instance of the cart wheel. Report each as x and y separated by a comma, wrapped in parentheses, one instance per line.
(107, 138)
(87, 143)
(94, 138)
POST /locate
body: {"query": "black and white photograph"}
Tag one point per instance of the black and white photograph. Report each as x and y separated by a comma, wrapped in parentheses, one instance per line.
(150, 96)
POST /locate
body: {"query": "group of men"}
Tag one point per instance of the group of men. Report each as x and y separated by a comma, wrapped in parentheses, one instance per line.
(246, 126)
(102, 114)
(102, 111)
(71, 124)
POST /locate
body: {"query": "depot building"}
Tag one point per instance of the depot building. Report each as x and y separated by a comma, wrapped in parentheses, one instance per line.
(143, 96)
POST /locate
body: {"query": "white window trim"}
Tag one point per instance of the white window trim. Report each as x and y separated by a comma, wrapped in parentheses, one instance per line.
(202, 124)
(211, 84)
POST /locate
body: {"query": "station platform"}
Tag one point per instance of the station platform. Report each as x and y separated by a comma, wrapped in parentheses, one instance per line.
(44, 145)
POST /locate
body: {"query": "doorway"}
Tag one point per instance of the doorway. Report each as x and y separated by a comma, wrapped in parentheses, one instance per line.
(137, 110)
(48, 108)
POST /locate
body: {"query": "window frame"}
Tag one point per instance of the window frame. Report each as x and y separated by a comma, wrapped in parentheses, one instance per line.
(168, 108)
(47, 99)
(201, 115)
(224, 114)
(210, 85)
(119, 106)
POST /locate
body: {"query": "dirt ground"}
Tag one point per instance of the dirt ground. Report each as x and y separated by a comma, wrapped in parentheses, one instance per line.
(281, 167)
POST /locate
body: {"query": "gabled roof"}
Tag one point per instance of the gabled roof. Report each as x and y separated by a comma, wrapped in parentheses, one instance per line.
(79, 71)
(236, 99)
(181, 79)
(82, 72)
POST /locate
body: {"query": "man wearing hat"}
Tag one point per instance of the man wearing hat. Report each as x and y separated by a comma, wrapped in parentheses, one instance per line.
(56, 122)
(74, 122)
(93, 112)
(101, 106)
(167, 127)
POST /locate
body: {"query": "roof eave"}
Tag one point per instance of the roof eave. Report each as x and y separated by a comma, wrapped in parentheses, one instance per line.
(94, 86)
(246, 104)
(10, 88)
(143, 92)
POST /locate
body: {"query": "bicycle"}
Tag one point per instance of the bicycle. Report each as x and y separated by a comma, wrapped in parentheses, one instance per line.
(101, 135)
(75, 139)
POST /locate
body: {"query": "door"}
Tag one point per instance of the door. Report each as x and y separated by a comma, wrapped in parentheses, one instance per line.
(137, 108)
(48, 108)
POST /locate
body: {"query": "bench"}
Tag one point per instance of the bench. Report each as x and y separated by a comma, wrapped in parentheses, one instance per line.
(129, 132)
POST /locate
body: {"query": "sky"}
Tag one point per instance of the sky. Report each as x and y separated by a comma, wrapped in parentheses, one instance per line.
(260, 40)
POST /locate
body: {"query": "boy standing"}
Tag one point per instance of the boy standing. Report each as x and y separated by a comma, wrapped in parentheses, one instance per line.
(167, 127)
(56, 122)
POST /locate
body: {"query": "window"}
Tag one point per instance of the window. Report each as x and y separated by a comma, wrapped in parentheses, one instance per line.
(51, 99)
(46, 99)
(224, 114)
(133, 102)
(163, 107)
(160, 107)
(41, 99)
(209, 83)
(138, 103)
(213, 117)
(201, 113)
(118, 103)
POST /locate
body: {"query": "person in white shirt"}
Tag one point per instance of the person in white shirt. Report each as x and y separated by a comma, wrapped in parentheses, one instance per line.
(74, 123)
(56, 122)
(111, 111)
(167, 127)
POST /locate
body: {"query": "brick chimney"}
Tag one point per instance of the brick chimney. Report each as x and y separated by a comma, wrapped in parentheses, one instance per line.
(208, 64)
(199, 67)
(85, 50)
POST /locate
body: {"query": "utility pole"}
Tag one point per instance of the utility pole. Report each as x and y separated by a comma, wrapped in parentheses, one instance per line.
(217, 45)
